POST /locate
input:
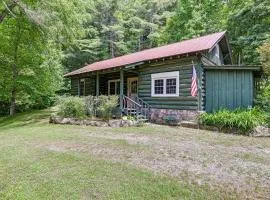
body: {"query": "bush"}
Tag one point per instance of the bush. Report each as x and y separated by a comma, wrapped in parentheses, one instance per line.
(91, 103)
(72, 107)
(106, 106)
(243, 120)
(263, 97)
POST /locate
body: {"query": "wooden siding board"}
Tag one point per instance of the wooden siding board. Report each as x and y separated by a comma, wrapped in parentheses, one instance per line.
(228, 89)
(184, 101)
(74, 87)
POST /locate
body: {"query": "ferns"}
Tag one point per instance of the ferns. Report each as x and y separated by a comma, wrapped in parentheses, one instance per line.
(243, 120)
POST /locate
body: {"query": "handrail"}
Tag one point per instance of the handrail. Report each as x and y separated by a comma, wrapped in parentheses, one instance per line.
(143, 102)
(136, 107)
(126, 97)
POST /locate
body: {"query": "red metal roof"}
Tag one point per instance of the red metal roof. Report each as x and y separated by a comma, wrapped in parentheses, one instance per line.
(184, 47)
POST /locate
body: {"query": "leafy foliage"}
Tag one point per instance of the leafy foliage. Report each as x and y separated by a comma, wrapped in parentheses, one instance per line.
(243, 120)
(107, 106)
(194, 18)
(32, 38)
(248, 26)
(73, 107)
(263, 97)
(102, 106)
(91, 103)
(264, 51)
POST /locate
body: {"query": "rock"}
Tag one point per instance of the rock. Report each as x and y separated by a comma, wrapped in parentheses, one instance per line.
(101, 124)
(115, 123)
(89, 123)
(55, 120)
(260, 131)
(52, 119)
(210, 128)
(189, 124)
(77, 122)
(127, 123)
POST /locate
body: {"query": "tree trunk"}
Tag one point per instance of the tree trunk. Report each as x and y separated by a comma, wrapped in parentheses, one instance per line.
(15, 73)
(13, 91)
(13, 103)
(8, 9)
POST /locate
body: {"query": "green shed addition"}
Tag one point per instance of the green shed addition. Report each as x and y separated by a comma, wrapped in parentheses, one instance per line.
(157, 82)
(229, 87)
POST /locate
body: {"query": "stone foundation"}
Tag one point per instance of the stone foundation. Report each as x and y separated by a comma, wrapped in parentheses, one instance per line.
(172, 117)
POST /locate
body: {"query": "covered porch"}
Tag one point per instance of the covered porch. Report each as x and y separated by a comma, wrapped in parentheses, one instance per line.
(122, 82)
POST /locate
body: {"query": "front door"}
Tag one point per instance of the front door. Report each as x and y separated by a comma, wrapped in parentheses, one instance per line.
(132, 88)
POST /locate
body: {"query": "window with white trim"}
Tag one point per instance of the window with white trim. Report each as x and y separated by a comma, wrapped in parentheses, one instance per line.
(165, 84)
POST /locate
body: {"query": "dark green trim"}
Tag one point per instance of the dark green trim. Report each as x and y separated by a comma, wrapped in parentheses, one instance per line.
(233, 67)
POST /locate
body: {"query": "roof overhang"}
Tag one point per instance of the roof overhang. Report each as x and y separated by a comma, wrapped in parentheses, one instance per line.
(180, 49)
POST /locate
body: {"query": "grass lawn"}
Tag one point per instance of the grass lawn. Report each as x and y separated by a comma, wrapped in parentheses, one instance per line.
(43, 161)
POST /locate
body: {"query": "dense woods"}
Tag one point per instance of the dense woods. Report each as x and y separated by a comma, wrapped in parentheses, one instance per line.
(41, 40)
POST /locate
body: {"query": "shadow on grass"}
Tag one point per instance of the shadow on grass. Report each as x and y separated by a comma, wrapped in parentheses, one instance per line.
(23, 119)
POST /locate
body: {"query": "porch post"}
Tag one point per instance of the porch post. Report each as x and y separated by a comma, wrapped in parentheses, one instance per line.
(97, 84)
(121, 88)
(78, 82)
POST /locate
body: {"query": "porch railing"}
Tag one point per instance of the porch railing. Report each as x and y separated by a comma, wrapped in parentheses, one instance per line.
(136, 107)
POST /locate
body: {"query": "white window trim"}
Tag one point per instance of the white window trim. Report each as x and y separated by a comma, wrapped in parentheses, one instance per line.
(164, 77)
(110, 81)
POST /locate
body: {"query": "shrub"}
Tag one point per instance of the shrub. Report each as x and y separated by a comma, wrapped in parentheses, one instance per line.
(107, 105)
(263, 97)
(91, 103)
(72, 107)
(243, 120)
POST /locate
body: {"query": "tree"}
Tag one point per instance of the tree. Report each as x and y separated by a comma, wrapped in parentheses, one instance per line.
(32, 40)
(264, 51)
(194, 18)
(118, 27)
(248, 26)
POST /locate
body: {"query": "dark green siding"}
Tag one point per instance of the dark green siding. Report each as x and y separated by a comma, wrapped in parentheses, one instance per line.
(89, 86)
(74, 86)
(184, 101)
(228, 89)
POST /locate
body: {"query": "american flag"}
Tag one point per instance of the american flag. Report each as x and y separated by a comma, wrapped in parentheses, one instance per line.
(194, 87)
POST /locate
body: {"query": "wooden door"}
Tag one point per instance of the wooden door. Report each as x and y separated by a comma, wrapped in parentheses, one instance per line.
(132, 88)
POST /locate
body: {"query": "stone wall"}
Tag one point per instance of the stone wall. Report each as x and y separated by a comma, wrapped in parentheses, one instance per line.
(172, 117)
(90, 122)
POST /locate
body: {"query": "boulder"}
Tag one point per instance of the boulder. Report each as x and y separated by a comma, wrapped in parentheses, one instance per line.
(127, 123)
(101, 124)
(189, 124)
(260, 131)
(115, 123)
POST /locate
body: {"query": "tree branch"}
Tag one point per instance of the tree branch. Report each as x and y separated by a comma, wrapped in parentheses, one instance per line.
(8, 8)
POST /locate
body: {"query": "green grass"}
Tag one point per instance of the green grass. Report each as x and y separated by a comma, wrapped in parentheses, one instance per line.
(30, 171)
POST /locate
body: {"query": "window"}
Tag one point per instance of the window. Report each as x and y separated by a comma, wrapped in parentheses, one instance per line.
(165, 84)
(114, 87)
(159, 86)
(82, 87)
